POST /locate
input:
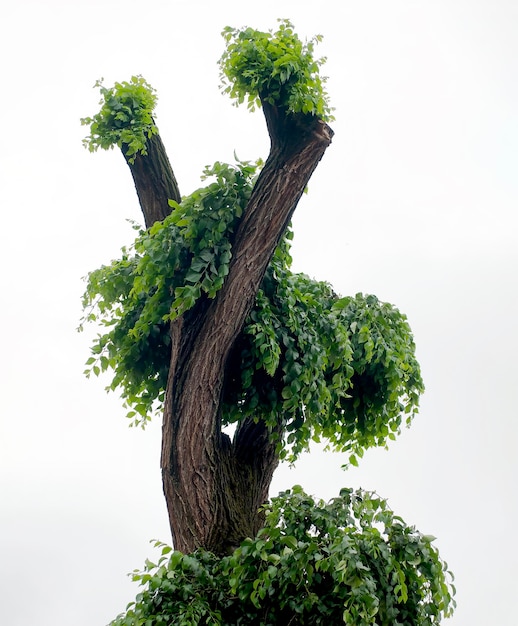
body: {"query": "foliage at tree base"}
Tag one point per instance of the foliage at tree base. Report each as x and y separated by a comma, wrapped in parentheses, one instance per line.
(350, 561)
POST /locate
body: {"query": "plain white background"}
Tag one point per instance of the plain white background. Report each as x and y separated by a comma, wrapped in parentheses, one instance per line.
(414, 201)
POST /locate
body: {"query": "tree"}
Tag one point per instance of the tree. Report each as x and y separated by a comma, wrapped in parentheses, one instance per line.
(206, 322)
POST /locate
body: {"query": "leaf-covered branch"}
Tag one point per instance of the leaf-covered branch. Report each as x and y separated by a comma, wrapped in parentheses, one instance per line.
(314, 364)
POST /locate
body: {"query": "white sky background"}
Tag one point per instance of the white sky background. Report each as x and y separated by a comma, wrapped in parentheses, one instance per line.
(414, 201)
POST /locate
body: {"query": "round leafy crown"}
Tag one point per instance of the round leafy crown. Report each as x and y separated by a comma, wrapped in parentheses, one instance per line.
(274, 67)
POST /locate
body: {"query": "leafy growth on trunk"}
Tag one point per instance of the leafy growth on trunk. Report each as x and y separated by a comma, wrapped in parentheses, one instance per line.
(160, 277)
(315, 365)
(349, 561)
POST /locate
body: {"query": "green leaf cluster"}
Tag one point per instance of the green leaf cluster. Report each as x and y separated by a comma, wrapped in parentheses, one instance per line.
(169, 268)
(341, 369)
(274, 67)
(350, 561)
(308, 363)
(125, 119)
(386, 384)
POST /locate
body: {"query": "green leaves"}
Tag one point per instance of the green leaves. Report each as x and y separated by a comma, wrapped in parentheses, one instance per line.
(178, 586)
(309, 364)
(348, 561)
(386, 384)
(163, 275)
(125, 119)
(318, 366)
(274, 67)
(339, 369)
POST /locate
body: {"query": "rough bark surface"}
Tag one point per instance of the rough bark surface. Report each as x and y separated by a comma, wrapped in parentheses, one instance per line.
(154, 180)
(214, 485)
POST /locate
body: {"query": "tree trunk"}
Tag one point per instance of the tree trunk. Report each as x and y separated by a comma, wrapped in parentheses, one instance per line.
(214, 486)
(154, 180)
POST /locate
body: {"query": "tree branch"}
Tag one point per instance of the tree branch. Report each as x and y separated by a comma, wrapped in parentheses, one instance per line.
(154, 180)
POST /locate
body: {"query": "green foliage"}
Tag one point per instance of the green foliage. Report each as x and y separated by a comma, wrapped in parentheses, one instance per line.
(320, 366)
(351, 561)
(387, 382)
(342, 369)
(125, 119)
(168, 269)
(274, 67)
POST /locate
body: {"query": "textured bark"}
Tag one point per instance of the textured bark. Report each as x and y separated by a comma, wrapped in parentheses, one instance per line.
(154, 180)
(214, 486)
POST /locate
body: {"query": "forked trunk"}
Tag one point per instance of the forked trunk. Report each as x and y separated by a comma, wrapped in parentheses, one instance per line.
(213, 485)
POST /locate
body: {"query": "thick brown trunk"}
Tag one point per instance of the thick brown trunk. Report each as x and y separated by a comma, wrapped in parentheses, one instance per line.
(213, 485)
(209, 480)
